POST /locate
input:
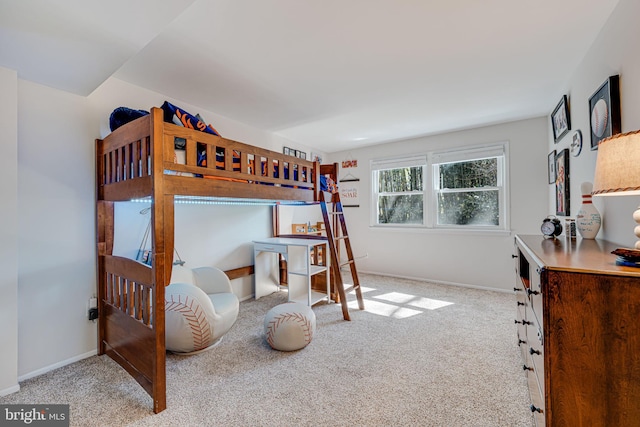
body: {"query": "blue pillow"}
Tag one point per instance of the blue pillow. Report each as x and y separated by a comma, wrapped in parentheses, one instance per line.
(123, 115)
(177, 115)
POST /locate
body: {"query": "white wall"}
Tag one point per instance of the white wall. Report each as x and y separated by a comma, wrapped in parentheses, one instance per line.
(613, 52)
(205, 235)
(56, 264)
(471, 259)
(8, 232)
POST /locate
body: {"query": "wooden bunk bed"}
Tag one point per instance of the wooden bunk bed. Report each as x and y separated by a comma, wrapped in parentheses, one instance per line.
(136, 161)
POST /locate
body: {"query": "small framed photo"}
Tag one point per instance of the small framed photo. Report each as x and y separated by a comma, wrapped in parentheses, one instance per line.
(551, 166)
(604, 110)
(286, 151)
(562, 183)
(295, 153)
(303, 155)
(560, 119)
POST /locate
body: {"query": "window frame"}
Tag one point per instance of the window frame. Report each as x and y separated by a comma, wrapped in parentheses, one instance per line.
(430, 192)
(398, 163)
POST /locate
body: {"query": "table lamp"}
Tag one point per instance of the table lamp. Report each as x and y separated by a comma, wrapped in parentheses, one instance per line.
(618, 174)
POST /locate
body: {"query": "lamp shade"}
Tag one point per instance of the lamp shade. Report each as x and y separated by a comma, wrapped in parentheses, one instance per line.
(618, 165)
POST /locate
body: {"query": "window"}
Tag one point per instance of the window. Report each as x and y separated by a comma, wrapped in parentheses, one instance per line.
(466, 190)
(399, 191)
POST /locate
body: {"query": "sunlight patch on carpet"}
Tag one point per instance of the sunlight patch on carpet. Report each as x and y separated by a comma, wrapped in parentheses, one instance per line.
(413, 300)
(384, 309)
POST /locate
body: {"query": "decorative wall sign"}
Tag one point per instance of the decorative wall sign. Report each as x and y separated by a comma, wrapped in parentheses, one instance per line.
(350, 162)
(562, 183)
(576, 143)
(560, 119)
(349, 193)
(604, 108)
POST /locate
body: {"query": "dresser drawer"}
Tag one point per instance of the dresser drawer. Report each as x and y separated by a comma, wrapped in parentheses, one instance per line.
(535, 296)
(537, 407)
(535, 350)
(264, 247)
(523, 343)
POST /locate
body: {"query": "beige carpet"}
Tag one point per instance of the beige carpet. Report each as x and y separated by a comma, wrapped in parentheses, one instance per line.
(419, 355)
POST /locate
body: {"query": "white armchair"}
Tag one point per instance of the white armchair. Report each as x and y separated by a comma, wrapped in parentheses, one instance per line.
(200, 307)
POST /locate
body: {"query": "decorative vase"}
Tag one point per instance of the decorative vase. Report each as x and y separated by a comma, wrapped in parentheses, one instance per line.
(588, 220)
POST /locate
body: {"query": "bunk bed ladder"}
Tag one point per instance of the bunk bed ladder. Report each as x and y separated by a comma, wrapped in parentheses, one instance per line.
(336, 234)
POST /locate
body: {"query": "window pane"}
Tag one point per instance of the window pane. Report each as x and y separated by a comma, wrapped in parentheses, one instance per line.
(471, 174)
(398, 180)
(469, 208)
(400, 209)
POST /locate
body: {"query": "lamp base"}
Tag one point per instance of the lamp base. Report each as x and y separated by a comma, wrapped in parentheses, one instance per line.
(636, 230)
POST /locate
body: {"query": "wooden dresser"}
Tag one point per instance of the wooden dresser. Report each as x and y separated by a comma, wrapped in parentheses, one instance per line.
(578, 322)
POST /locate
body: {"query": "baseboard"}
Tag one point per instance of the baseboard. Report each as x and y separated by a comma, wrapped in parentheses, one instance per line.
(57, 365)
(10, 390)
(439, 282)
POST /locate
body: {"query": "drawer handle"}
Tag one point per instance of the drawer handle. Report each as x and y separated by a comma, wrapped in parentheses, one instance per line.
(524, 322)
(533, 351)
(514, 256)
(517, 289)
(526, 368)
(520, 303)
(530, 292)
(521, 342)
(535, 409)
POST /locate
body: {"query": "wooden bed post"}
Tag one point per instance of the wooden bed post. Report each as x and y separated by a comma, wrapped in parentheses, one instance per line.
(104, 239)
(316, 180)
(162, 227)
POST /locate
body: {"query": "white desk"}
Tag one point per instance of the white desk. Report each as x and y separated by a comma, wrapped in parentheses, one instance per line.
(297, 253)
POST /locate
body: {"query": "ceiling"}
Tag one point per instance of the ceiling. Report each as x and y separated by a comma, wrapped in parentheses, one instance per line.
(330, 74)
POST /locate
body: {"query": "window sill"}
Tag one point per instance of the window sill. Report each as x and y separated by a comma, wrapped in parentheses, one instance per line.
(429, 230)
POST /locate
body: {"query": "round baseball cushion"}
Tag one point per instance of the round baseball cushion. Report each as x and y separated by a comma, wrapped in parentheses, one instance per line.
(289, 326)
(189, 316)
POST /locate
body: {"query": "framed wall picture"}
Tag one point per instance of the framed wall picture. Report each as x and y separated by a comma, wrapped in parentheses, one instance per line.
(286, 151)
(551, 166)
(562, 183)
(560, 119)
(604, 111)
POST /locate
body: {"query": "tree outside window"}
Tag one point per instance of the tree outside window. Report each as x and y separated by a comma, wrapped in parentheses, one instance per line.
(468, 193)
(401, 196)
